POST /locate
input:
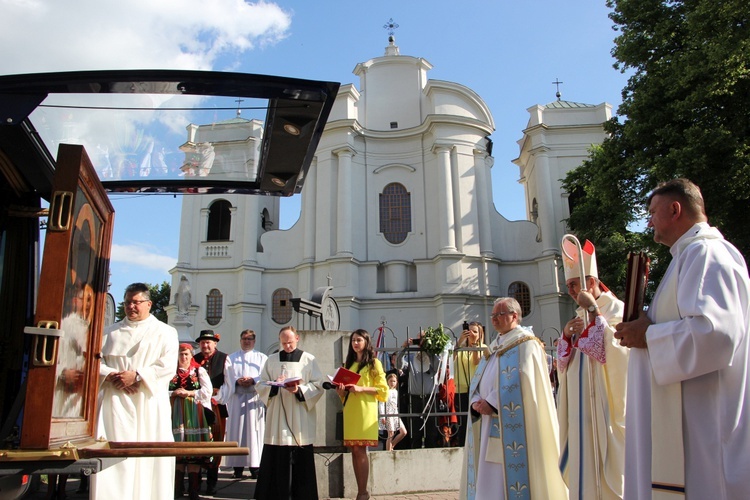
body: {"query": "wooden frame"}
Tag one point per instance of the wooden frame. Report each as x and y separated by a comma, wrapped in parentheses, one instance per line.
(63, 378)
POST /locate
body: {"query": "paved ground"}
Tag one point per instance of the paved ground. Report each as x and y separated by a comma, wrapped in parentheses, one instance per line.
(229, 488)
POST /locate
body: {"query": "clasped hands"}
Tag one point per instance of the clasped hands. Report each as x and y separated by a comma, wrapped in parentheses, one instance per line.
(125, 381)
(482, 407)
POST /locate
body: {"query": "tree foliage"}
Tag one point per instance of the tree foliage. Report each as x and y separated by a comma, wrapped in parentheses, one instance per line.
(160, 295)
(685, 113)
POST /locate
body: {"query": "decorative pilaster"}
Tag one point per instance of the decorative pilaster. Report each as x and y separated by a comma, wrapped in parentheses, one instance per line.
(344, 201)
(546, 203)
(445, 199)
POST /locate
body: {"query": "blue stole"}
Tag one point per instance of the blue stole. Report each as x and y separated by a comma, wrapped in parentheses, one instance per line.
(513, 434)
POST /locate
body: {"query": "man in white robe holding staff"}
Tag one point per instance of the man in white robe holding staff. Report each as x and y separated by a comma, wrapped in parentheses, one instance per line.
(592, 369)
(290, 386)
(688, 409)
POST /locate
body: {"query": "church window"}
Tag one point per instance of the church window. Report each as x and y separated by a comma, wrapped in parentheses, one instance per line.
(219, 221)
(214, 302)
(520, 291)
(395, 212)
(281, 309)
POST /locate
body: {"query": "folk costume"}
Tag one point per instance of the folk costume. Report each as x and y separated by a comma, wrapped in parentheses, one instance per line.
(514, 453)
(149, 347)
(361, 410)
(189, 423)
(287, 460)
(688, 392)
(246, 423)
(188, 417)
(592, 371)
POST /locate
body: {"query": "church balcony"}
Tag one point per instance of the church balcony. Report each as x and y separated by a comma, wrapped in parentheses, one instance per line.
(216, 249)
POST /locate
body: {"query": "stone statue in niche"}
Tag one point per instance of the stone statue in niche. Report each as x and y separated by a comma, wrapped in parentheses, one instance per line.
(182, 296)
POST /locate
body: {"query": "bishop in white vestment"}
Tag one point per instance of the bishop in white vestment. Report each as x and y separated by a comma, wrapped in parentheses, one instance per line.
(592, 370)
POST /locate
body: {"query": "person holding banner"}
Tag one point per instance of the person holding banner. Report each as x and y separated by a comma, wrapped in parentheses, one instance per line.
(592, 368)
(512, 446)
(688, 408)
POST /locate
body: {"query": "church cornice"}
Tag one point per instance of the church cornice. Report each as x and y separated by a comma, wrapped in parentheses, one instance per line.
(429, 125)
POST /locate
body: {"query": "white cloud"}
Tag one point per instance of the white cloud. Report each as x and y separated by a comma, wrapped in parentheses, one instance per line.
(142, 256)
(37, 36)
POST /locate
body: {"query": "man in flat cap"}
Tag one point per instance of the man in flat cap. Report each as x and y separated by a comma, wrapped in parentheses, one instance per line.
(214, 362)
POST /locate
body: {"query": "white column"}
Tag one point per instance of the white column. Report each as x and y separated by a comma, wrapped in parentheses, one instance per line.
(446, 219)
(483, 188)
(307, 217)
(344, 205)
(546, 203)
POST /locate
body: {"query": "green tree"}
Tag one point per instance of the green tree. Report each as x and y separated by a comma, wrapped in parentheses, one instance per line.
(160, 295)
(685, 113)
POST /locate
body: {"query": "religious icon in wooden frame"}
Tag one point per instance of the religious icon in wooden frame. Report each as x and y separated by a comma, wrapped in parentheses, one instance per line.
(64, 364)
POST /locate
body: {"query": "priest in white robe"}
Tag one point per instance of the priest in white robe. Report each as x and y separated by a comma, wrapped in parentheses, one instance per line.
(139, 358)
(592, 370)
(512, 446)
(688, 409)
(246, 423)
(287, 465)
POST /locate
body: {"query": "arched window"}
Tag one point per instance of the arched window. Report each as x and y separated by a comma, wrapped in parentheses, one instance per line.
(219, 221)
(395, 212)
(520, 291)
(214, 303)
(281, 308)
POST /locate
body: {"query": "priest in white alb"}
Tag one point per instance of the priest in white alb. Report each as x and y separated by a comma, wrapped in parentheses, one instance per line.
(592, 370)
(246, 423)
(512, 444)
(688, 409)
(290, 386)
(139, 358)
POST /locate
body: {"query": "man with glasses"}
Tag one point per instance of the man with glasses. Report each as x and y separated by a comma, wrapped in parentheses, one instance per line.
(247, 413)
(139, 358)
(512, 443)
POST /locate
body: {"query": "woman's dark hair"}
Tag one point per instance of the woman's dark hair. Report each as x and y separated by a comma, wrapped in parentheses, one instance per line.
(368, 353)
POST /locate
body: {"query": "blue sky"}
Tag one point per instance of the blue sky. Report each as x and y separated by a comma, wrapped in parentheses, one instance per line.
(507, 52)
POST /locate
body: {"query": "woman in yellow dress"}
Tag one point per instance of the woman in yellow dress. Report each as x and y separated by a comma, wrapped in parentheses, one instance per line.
(360, 402)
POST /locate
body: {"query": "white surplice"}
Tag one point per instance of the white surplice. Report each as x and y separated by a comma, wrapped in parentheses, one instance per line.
(591, 409)
(150, 347)
(290, 422)
(696, 366)
(540, 421)
(246, 423)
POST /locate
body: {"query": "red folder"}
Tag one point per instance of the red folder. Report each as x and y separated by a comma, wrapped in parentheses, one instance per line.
(345, 377)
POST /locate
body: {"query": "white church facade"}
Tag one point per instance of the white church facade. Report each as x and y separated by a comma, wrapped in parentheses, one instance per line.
(397, 217)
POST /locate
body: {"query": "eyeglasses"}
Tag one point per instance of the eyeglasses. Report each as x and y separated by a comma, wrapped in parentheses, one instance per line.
(135, 302)
(247, 339)
(495, 315)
